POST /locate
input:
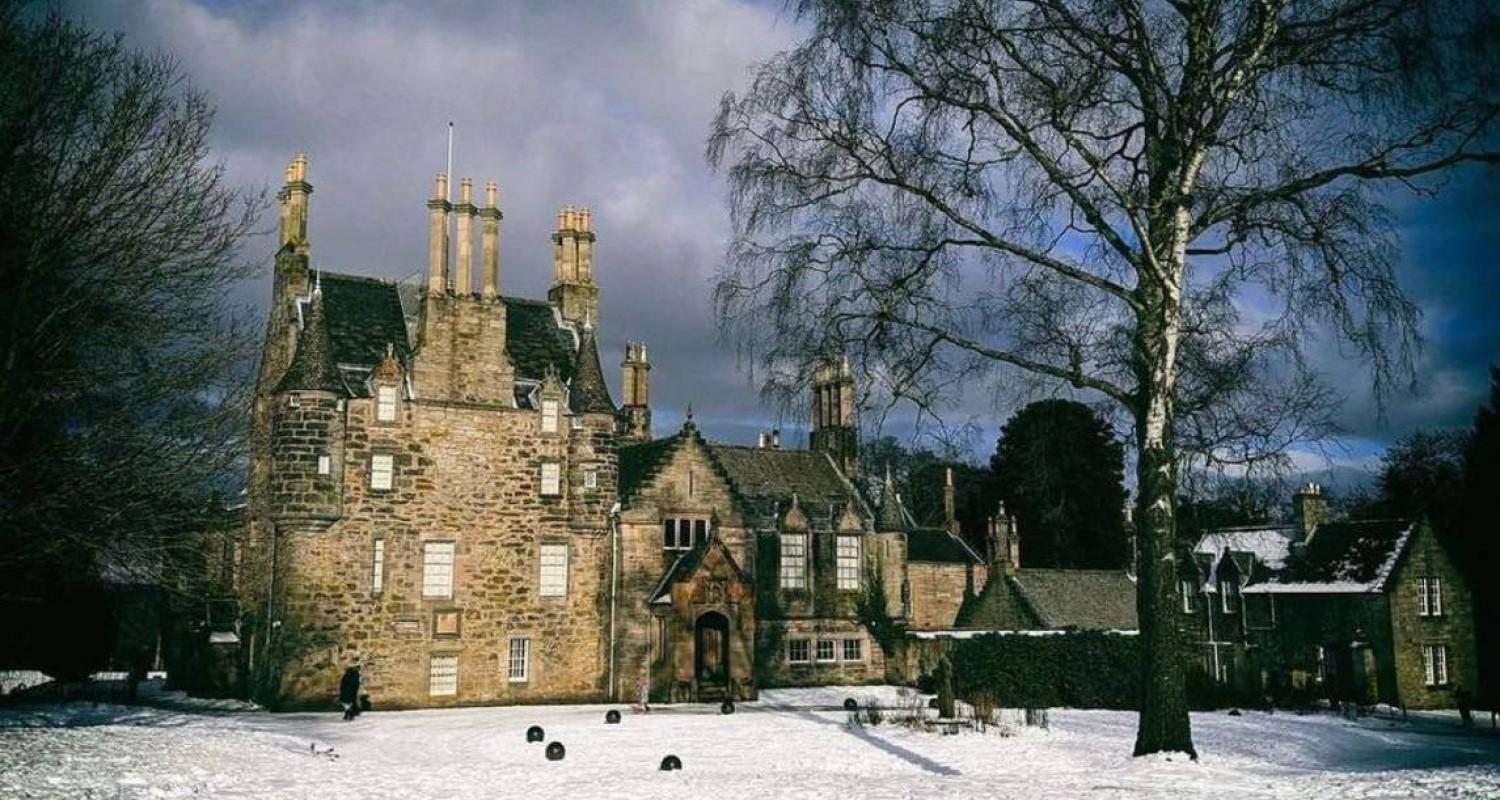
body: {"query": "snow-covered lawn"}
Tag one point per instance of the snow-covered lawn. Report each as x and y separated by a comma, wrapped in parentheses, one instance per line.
(783, 746)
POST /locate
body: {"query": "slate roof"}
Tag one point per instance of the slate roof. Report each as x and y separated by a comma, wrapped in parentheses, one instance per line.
(1343, 557)
(364, 314)
(936, 545)
(312, 366)
(766, 478)
(588, 392)
(1085, 599)
(638, 462)
(1269, 544)
(998, 607)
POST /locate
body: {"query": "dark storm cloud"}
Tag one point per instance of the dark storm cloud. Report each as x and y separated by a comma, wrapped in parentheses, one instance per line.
(606, 105)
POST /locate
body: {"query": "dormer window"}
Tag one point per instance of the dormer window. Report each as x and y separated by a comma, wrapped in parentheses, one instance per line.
(550, 413)
(1229, 595)
(385, 403)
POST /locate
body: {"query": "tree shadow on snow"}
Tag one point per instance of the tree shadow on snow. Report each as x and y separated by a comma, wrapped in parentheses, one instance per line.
(909, 756)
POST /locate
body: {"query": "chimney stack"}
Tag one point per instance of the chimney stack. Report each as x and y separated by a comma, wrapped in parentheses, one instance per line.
(950, 507)
(489, 252)
(294, 196)
(464, 281)
(1309, 510)
(437, 236)
(635, 411)
(1005, 550)
(573, 289)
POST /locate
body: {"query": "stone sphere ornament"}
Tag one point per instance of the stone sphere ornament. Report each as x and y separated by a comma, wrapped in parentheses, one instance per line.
(727, 707)
(611, 717)
(850, 705)
(535, 734)
(556, 751)
(671, 763)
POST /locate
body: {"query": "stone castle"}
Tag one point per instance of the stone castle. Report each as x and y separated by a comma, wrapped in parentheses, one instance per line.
(444, 491)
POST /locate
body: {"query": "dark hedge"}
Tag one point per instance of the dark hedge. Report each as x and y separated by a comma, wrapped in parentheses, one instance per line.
(1075, 670)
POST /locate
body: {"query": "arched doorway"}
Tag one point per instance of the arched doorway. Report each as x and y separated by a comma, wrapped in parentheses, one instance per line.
(711, 655)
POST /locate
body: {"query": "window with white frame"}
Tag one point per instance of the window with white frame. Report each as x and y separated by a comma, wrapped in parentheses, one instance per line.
(854, 650)
(1321, 665)
(591, 478)
(325, 465)
(1430, 597)
(382, 471)
(554, 581)
(1435, 664)
(1189, 597)
(385, 403)
(377, 567)
(442, 676)
(519, 666)
(437, 569)
(1229, 595)
(825, 650)
(848, 563)
(549, 416)
(793, 561)
(551, 478)
(797, 651)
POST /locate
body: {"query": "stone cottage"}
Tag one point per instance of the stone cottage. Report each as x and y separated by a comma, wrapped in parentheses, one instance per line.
(1359, 610)
(443, 490)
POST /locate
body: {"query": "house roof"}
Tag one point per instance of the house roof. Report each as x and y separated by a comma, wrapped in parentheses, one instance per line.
(688, 563)
(936, 545)
(312, 366)
(766, 479)
(1269, 544)
(639, 462)
(998, 607)
(1352, 557)
(1079, 598)
(364, 315)
(589, 393)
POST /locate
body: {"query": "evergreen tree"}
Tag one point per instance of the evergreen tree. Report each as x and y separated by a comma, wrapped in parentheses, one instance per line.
(1421, 475)
(1060, 471)
(1478, 549)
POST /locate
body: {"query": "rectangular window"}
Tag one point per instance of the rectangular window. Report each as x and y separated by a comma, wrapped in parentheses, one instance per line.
(797, 651)
(1189, 601)
(591, 479)
(437, 569)
(385, 404)
(1229, 594)
(1435, 663)
(442, 676)
(520, 661)
(1430, 597)
(700, 532)
(854, 650)
(377, 568)
(825, 649)
(549, 416)
(554, 581)
(683, 534)
(848, 563)
(793, 561)
(382, 471)
(551, 478)
(669, 534)
(325, 465)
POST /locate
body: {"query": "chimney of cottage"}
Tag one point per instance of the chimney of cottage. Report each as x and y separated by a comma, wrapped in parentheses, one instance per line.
(1309, 510)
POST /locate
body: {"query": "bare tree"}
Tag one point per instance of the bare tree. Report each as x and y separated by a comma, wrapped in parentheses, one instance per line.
(1153, 201)
(121, 370)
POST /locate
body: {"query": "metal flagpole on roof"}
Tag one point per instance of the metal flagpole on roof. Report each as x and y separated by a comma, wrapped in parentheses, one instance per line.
(449, 194)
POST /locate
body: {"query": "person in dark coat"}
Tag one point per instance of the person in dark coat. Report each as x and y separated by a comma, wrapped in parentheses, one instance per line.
(349, 692)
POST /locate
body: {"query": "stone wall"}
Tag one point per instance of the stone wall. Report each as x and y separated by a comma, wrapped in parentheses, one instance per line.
(775, 666)
(938, 590)
(1455, 627)
(463, 357)
(470, 476)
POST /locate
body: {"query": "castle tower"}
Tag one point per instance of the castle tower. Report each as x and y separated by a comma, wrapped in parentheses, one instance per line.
(890, 532)
(307, 430)
(833, 428)
(573, 290)
(635, 410)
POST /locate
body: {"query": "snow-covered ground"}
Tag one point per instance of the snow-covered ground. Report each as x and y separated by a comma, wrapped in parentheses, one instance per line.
(790, 744)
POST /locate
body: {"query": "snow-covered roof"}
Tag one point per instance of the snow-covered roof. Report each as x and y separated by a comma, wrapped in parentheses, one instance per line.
(1345, 558)
(1269, 544)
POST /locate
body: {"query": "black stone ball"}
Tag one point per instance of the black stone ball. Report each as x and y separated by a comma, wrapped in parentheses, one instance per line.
(850, 705)
(611, 717)
(555, 751)
(671, 763)
(727, 707)
(535, 734)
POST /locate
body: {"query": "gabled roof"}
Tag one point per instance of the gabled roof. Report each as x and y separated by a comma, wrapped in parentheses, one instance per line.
(998, 607)
(1269, 544)
(639, 462)
(765, 479)
(1085, 599)
(936, 545)
(1343, 558)
(687, 564)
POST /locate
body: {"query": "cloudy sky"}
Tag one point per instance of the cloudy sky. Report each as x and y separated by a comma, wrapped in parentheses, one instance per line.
(606, 105)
